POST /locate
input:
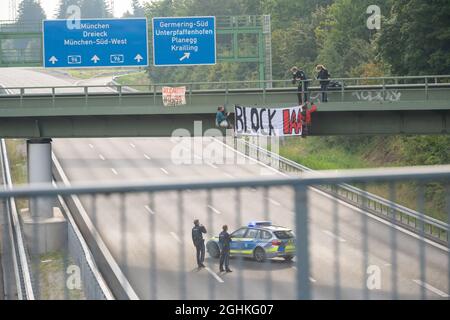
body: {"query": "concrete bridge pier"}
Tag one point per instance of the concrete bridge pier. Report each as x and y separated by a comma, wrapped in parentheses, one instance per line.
(44, 225)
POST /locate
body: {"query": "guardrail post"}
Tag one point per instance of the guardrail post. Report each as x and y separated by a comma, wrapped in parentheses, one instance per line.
(426, 88)
(154, 95)
(342, 91)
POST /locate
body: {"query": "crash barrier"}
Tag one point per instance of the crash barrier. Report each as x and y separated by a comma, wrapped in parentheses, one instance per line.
(77, 268)
(417, 222)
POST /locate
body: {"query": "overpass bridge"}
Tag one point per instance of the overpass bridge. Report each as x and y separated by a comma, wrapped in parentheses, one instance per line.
(361, 106)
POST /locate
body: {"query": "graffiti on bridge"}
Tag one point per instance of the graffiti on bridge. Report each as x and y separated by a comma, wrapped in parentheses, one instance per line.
(381, 95)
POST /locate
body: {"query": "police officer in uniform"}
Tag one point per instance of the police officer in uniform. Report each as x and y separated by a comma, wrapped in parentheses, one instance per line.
(199, 243)
(224, 242)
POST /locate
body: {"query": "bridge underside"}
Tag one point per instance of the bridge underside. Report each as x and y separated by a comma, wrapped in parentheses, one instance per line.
(324, 123)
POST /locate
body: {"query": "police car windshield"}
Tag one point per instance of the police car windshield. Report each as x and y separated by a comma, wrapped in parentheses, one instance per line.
(284, 234)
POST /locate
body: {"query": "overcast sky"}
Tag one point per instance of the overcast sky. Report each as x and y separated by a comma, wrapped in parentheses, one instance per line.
(50, 6)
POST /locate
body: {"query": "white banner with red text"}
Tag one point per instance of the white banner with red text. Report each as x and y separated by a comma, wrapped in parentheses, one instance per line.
(254, 121)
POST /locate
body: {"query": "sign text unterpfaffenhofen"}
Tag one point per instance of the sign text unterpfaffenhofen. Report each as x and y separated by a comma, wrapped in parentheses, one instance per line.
(184, 41)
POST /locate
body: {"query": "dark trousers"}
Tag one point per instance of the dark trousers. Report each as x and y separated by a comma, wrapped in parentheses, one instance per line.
(324, 88)
(302, 98)
(224, 258)
(200, 247)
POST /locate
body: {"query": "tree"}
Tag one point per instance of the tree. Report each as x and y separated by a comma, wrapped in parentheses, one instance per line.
(62, 8)
(30, 17)
(344, 40)
(95, 9)
(416, 38)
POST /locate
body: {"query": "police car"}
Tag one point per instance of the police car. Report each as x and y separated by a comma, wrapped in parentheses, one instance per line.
(260, 240)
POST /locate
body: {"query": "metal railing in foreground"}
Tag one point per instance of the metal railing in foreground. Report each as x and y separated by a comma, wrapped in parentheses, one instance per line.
(433, 229)
(147, 228)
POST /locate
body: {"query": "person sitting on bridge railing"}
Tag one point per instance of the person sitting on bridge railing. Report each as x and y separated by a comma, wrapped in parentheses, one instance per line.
(306, 118)
(302, 79)
(222, 117)
(323, 75)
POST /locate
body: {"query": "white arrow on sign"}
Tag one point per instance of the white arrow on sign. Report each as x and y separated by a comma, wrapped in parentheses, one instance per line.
(95, 58)
(185, 56)
(138, 58)
(53, 59)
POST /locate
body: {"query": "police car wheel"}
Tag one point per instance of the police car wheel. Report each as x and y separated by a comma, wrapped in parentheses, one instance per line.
(259, 254)
(213, 250)
(288, 258)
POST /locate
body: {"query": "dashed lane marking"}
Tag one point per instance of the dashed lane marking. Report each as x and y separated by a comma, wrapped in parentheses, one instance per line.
(214, 209)
(431, 288)
(174, 235)
(149, 209)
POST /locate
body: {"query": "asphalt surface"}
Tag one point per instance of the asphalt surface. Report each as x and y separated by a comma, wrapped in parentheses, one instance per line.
(152, 242)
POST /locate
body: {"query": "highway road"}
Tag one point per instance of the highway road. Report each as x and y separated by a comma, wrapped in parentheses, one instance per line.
(337, 250)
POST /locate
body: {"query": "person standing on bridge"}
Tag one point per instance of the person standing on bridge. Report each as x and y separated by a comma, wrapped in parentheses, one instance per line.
(323, 75)
(224, 243)
(302, 89)
(199, 243)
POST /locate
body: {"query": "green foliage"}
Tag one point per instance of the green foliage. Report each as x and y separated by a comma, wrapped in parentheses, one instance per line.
(63, 5)
(415, 39)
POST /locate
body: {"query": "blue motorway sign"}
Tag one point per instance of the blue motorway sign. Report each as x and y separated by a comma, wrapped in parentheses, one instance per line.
(184, 41)
(95, 43)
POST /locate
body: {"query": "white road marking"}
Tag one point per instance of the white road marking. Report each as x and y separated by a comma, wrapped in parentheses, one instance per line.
(273, 202)
(174, 235)
(228, 175)
(211, 165)
(331, 234)
(147, 157)
(132, 145)
(114, 171)
(214, 274)
(310, 278)
(148, 209)
(214, 209)
(101, 157)
(431, 288)
(91, 146)
(164, 170)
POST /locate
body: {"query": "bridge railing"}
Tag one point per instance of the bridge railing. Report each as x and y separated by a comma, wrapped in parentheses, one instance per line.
(147, 227)
(349, 85)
